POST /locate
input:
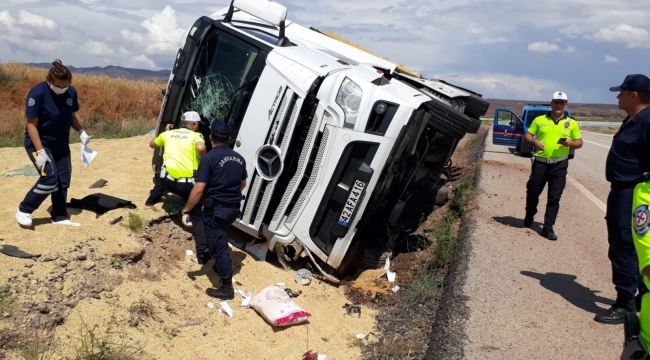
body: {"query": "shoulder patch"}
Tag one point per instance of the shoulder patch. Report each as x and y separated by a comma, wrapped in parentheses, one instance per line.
(641, 219)
(69, 101)
(31, 102)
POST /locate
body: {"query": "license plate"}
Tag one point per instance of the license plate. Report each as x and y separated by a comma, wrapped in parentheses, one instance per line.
(351, 203)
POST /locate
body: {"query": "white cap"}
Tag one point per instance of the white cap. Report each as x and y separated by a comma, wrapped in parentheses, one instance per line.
(559, 95)
(191, 116)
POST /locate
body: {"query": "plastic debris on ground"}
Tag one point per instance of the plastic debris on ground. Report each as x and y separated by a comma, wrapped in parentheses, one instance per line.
(303, 277)
(98, 184)
(189, 252)
(225, 309)
(258, 250)
(360, 336)
(281, 284)
(211, 305)
(235, 281)
(87, 155)
(245, 297)
(26, 171)
(389, 274)
(173, 205)
(311, 355)
(396, 288)
(277, 308)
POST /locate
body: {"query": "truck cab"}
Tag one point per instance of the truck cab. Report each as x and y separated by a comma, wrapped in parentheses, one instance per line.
(508, 128)
(337, 144)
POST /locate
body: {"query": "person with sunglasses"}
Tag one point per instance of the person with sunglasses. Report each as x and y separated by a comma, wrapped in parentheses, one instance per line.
(628, 157)
(553, 136)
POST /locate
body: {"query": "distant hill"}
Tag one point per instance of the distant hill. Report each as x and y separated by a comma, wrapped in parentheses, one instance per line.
(115, 72)
(577, 109)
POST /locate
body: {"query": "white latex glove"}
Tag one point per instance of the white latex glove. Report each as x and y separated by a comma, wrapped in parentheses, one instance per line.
(187, 220)
(85, 138)
(42, 159)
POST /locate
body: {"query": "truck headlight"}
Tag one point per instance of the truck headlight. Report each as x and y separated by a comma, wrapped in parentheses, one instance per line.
(349, 98)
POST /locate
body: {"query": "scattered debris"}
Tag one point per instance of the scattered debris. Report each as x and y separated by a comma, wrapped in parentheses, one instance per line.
(246, 297)
(325, 339)
(116, 220)
(211, 305)
(277, 307)
(291, 293)
(189, 252)
(303, 277)
(396, 288)
(98, 184)
(311, 355)
(281, 284)
(360, 336)
(225, 309)
(352, 308)
(11, 250)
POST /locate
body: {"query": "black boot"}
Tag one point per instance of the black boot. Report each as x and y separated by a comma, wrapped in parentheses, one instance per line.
(616, 313)
(225, 292)
(203, 257)
(151, 201)
(548, 233)
(528, 220)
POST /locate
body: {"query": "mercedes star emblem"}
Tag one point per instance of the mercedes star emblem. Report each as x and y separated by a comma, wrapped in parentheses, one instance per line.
(269, 162)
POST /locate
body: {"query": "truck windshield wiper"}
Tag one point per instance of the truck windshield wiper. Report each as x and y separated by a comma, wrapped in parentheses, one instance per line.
(232, 97)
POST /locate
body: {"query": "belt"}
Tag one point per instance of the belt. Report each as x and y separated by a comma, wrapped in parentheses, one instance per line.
(551, 160)
(181, 180)
(231, 205)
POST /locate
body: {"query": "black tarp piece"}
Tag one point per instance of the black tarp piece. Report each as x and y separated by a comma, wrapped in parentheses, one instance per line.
(14, 251)
(98, 184)
(100, 203)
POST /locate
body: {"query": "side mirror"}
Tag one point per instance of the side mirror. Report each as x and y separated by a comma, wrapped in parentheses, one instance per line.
(519, 124)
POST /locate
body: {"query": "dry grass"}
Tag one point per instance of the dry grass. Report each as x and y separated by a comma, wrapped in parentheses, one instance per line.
(109, 107)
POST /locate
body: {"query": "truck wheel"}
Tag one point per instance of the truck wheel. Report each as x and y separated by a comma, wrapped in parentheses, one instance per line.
(474, 126)
(447, 120)
(439, 195)
(374, 259)
(476, 106)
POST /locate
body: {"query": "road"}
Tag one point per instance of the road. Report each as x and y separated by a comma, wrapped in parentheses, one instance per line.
(526, 297)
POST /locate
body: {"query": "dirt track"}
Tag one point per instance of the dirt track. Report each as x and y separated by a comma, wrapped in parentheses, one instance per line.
(518, 295)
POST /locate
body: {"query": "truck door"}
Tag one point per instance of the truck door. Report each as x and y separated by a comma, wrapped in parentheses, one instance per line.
(507, 128)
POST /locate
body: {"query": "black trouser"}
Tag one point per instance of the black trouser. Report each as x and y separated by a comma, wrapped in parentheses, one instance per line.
(183, 190)
(555, 176)
(622, 254)
(158, 189)
(217, 232)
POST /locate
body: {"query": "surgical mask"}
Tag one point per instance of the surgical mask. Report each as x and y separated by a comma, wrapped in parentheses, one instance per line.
(57, 90)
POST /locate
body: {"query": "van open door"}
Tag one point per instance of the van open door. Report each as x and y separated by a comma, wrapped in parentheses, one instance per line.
(507, 128)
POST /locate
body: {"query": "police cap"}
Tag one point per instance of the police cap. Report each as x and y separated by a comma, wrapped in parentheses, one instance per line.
(219, 128)
(635, 82)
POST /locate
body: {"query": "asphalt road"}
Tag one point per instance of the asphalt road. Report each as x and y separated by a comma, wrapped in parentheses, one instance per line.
(527, 297)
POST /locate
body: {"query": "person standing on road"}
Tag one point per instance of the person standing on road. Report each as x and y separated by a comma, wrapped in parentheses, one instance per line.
(184, 147)
(220, 180)
(628, 157)
(556, 135)
(50, 112)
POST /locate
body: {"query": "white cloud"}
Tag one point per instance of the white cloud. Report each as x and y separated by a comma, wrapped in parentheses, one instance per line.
(27, 18)
(570, 49)
(558, 39)
(609, 58)
(163, 35)
(623, 34)
(98, 48)
(543, 47)
(6, 19)
(571, 31)
(143, 61)
(508, 86)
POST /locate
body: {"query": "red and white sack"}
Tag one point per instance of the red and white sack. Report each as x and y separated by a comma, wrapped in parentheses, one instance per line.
(277, 307)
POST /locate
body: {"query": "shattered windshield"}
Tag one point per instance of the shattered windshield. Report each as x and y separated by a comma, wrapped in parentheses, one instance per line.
(223, 66)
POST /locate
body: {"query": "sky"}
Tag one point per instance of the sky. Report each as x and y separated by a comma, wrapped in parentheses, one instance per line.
(508, 49)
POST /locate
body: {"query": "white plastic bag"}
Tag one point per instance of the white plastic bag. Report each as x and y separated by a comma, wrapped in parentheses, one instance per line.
(277, 307)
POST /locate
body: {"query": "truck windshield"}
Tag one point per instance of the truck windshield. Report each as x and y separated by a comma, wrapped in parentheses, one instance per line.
(223, 65)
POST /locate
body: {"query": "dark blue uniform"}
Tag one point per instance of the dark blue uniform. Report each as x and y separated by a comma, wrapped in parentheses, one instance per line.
(222, 170)
(628, 157)
(54, 113)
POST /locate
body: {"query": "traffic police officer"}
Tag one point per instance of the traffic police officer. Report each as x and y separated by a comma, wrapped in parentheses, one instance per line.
(628, 157)
(183, 149)
(556, 135)
(640, 225)
(50, 112)
(219, 181)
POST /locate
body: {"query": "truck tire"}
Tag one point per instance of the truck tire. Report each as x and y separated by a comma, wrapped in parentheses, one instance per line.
(476, 106)
(474, 126)
(374, 259)
(438, 195)
(447, 120)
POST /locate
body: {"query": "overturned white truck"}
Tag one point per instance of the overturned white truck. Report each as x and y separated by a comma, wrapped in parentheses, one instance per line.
(340, 144)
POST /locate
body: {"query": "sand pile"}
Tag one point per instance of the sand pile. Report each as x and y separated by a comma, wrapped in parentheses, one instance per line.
(156, 299)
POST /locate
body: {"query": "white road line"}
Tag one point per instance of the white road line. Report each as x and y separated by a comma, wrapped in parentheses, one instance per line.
(591, 142)
(588, 194)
